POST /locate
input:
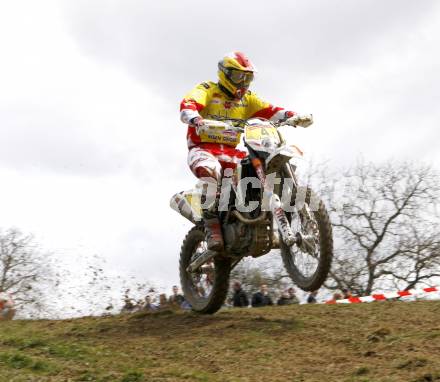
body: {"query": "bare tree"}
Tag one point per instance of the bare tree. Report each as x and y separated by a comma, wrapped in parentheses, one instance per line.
(45, 286)
(387, 233)
(23, 268)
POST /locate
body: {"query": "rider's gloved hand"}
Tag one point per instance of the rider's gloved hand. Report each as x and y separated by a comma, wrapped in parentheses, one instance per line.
(303, 120)
(199, 124)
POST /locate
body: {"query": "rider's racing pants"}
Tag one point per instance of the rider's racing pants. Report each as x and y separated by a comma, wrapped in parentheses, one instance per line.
(207, 161)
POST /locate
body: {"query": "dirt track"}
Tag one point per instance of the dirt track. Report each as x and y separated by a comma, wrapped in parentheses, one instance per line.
(390, 341)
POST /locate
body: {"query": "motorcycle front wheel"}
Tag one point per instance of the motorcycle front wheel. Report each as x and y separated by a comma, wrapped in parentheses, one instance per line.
(308, 263)
(206, 288)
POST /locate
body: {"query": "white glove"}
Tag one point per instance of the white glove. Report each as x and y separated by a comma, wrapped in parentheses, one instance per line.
(303, 120)
(199, 124)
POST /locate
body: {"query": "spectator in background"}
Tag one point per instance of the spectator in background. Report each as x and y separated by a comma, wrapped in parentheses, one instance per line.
(288, 297)
(163, 302)
(201, 291)
(262, 297)
(336, 296)
(292, 295)
(284, 299)
(129, 306)
(239, 299)
(149, 305)
(346, 293)
(176, 298)
(311, 299)
(7, 310)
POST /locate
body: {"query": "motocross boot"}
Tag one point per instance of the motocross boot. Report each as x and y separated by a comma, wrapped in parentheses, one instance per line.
(213, 231)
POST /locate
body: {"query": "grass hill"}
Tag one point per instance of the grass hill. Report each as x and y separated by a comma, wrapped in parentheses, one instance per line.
(389, 341)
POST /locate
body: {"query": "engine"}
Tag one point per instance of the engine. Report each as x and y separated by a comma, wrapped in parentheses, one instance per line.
(248, 240)
(238, 238)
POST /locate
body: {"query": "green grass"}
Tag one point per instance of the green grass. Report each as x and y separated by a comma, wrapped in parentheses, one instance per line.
(378, 342)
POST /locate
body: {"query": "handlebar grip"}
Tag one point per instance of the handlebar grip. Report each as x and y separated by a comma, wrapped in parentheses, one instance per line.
(213, 124)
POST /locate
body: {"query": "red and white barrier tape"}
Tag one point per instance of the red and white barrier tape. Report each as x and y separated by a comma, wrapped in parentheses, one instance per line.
(385, 296)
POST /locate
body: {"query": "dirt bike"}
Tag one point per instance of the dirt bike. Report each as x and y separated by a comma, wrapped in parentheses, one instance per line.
(286, 217)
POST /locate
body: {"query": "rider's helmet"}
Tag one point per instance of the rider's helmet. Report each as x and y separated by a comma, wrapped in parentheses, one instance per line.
(235, 73)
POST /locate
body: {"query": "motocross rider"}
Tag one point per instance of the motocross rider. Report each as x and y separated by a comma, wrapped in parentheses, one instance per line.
(211, 152)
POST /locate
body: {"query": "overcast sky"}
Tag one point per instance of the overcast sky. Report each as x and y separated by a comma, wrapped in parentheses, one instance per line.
(91, 146)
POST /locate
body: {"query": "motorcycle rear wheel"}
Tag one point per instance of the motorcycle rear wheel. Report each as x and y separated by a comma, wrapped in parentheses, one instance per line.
(293, 257)
(207, 287)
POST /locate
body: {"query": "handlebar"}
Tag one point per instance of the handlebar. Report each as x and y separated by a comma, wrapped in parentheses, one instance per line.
(236, 125)
(213, 124)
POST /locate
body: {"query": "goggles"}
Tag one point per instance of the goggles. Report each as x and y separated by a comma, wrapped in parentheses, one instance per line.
(238, 77)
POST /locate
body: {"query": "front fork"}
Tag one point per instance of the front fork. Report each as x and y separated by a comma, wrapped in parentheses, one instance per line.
(287, 235)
